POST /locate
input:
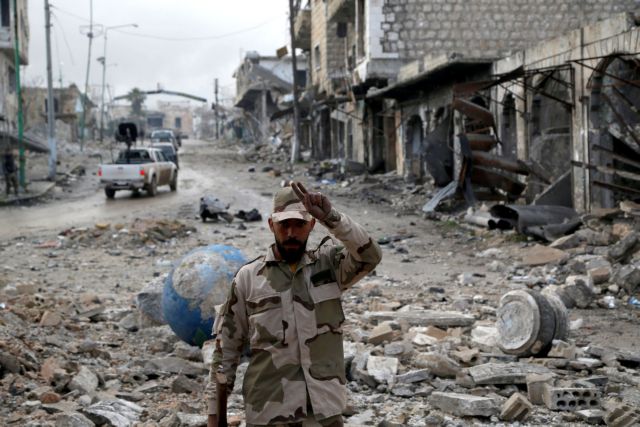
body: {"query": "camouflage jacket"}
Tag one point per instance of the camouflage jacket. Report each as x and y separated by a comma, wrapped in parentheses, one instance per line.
(293, 323)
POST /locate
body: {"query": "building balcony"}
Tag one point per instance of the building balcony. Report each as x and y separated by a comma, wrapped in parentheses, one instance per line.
(302, 29)
(341, 10)
(7, 45)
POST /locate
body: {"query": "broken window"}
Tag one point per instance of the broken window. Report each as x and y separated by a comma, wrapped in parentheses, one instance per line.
(614, 138)
(316, 56)
(361, 29)
(414, 142)
(5, 13)
(56, 108)
(178, 123)
(12, 79)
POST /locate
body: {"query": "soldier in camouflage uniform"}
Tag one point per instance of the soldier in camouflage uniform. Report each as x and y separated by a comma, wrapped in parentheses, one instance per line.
(287, 305)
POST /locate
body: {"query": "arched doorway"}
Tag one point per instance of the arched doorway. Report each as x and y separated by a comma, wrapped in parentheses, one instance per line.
(414, 142)
(614, 137)
(550, 140)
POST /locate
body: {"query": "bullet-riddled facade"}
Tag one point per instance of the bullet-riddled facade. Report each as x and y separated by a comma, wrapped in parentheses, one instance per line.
(8, 99)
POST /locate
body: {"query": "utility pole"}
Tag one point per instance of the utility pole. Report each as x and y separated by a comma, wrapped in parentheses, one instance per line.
(295, 146)
(16, 59)
(216, 111)
(51, 124)
(83, 118)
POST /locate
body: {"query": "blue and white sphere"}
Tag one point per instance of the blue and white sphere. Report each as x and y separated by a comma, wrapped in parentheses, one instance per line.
(199, 283)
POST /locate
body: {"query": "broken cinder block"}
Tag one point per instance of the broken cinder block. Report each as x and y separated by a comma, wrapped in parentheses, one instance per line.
(570, 398)
(622, 416)
(535, 386)
(516, 408)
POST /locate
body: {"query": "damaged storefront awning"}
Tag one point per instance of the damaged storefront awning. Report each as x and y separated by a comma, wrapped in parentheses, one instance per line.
(31, 143)
(433, 72)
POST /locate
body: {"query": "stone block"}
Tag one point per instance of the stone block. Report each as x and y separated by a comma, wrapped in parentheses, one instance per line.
(563, 350)
(516, 408)
(381, 333)
(464, 405)
(85, 381)
(600, 275)
(413, 376)
(382, 369)
(570, 398)
(535, 386)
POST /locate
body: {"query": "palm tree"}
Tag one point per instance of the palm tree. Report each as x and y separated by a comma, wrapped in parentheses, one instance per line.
(136, 97)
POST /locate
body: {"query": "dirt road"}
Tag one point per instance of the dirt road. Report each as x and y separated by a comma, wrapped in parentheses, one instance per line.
(421, 265)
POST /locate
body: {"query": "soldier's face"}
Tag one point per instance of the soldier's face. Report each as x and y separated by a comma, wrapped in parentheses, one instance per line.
(291, 237)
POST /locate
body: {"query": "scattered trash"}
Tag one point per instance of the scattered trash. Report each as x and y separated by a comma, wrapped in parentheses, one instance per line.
(212, 207)
(249, 216)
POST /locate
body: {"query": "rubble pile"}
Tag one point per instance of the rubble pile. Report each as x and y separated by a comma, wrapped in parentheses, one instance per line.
(140, 232)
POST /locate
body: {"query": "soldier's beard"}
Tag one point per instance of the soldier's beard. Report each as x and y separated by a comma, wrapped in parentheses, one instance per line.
(291, 255)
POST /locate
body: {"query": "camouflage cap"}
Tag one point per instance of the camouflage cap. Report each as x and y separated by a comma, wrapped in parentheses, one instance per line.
(286, 205)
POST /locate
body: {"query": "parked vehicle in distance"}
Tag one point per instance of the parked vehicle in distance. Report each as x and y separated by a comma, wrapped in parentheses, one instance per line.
(168, 150)
(164, 135)
(138, 169)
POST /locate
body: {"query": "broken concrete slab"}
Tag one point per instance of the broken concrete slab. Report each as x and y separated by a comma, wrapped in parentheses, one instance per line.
(175, 365)
(591, 416)
(382, 369)
(516, 408)
(85, 381)
(73, 419)
(464, 405)
(381, 333)
(625, 248)
(115, 412)
(542, 255)
(412, 377)
(505, 373)
(443, 319)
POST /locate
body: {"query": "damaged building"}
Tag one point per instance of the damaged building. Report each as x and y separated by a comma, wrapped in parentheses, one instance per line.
(492, 100)
(572, 107)
(263, 92)
(8, 98)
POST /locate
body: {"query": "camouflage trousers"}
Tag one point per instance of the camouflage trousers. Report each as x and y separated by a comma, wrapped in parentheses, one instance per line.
(311, 422)
(11, 180)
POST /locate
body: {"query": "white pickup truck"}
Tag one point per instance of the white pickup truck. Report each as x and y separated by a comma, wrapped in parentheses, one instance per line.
(138, 169)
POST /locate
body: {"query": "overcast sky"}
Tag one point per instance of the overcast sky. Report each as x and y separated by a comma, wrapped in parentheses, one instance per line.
(156, 52)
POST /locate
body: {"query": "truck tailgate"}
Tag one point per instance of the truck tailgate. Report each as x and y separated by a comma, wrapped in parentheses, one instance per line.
(121, 172)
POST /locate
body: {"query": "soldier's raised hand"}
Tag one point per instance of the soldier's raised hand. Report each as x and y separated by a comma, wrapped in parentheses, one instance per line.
(317, 204)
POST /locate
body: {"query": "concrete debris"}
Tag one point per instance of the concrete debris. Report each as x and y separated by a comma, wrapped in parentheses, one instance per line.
(85, 381)
(516, 408)
(464, 405)
(381, 333)
(570, 399)
(536, 384)
(382, 369)
(504, 373)
(115, 412)
(73, 419)
(622, 416)
(424, 318)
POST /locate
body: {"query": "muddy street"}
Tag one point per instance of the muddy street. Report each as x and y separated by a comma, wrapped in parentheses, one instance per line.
(74, 336)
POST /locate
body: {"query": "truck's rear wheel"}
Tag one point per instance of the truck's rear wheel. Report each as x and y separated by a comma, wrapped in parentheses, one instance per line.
(174, 182)
(110, 193)
(152, 189)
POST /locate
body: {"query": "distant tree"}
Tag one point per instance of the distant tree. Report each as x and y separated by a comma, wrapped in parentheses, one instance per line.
(136, 97)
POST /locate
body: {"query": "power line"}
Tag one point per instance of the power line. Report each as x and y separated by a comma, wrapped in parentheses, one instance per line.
(64, 36)
(177, 39)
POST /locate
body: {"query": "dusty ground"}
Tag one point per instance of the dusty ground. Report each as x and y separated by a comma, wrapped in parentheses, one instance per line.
(424, 255)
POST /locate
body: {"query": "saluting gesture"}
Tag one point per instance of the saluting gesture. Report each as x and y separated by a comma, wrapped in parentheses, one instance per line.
(317, 204)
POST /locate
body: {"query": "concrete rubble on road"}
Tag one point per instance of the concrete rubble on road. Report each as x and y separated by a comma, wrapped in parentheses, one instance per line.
(416, 354)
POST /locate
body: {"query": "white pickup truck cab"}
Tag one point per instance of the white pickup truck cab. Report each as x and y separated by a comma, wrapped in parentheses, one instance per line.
(138, 169)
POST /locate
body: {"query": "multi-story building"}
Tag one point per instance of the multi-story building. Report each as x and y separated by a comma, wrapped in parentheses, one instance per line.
(8, 98)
